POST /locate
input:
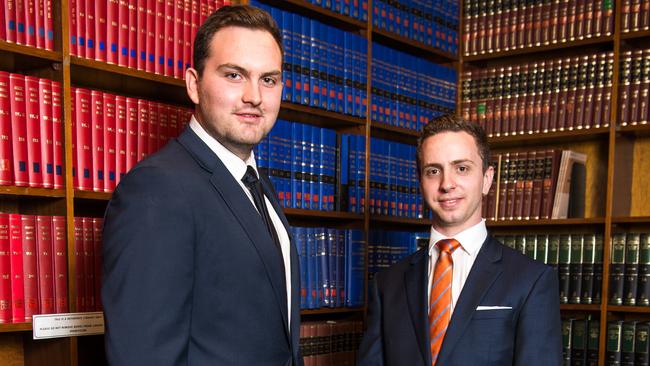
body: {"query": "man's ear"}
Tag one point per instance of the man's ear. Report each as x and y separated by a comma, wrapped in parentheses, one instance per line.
(192, 84)
(488, 176)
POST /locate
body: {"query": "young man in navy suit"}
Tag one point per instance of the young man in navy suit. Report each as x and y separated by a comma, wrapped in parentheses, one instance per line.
(199, 267)
(466, 299)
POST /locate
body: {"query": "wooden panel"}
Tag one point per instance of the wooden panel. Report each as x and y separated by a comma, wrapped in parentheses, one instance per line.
(640, 192)
(11, 349)
(46, 352)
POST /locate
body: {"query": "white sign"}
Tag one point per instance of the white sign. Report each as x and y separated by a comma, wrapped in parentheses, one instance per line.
(67, 325)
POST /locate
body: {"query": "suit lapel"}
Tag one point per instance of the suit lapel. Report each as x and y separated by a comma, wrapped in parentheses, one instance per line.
(244, 211)
(416, 296)
(484, 272)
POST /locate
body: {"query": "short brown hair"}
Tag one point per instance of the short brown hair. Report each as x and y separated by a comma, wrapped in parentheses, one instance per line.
(453, 123)
(232, 16)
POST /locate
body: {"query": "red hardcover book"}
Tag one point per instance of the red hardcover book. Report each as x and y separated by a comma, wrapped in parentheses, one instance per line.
(81, 27)
(123, 36)
(608, 60)
(6, 171)
(30, 271)
(173, 121)
(80, 266)
(626, 6)
(187, 35)
(73, 114)
(57, 134)
(97, 224)
(48, 25)
(645, 15)
(3, 23)
(588, 114)
(520, 185)
(131, 133)
(530, 24)
(529, 185)
(35, 175)
(9, 25)
(159, 49)
(83, 144)
(89, 262)
(44, 262)
(46, 132)
(120, 138)
(97, 139)
(538, 185)
(133, 34)
(5, 269)
(644, 97)
(90, 29)
(511, 186)
(194, 26)
(177, 38)
(143, 129)
(109, 138)
(18, 98)
(493, 193)
(101, 27)
(60, 264)
(608, 18)
(17, 283)
(112, 31)
(163, 124)
(20, 5)
(152, 140)
(150, 46)
(30, 22)
(141, 46)
(39, 18)
(581, 93)
(551, 170)
(169, 38)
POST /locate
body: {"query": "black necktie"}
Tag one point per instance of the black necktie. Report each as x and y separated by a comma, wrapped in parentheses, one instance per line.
(255, 187)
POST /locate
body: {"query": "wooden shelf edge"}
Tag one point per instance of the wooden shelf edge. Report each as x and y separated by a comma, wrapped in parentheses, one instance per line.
(32, 192)
(89, 195)
(15, 327)
(31, 51)
(325, 13)
(323, 311)
(631, 220)
(635, 34)
(297, 212)
(293, 107)
(589, 133)
(628, 309)
(539, 49)
(401, 130)
(444, 56)
(401, 220)
(546, 222)
(97, 65)
(580, 307)
(633, 128)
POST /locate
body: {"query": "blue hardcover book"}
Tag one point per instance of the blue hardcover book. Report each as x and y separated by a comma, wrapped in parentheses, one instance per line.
(364, 77)
(296, 165)
(341, 290)
(314, 56)
(305, 60)
(322, 193)
(316, 168)
(385, 177)
(348, 171)
(331, 294)
(285, 165)
(297, 57)
(310, 252)
(363, 10)
(289, 55)
(404, 158)
(356, 74)
(306, 167)
(322, 258)
(274, 155)
(340, 76)
(348, 94)
(361, 173)
(316, 288)
(330, 148)
(301, 248)
(343, 160)
(355, 269)
(323, 65)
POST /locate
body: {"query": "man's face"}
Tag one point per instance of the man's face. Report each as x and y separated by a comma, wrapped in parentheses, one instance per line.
(452, 181)
(239, 94)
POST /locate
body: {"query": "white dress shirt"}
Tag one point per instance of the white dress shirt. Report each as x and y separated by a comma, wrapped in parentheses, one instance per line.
(471, 240)
(237, 167)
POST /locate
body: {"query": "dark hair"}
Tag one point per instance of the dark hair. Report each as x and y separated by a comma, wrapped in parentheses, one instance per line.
(232, 16)
(453, 123)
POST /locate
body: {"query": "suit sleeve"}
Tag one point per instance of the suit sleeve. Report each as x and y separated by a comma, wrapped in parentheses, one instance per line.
(148, 271)
(371, 351)
(539, 333)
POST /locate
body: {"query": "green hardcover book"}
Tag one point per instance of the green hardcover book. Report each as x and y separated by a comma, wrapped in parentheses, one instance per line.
(593, 344)
(531, 246)
(643, 290)
(631, 277)
(553, 251)
(627, 343)
(567, 330)
(579, 343)
(520, 244)
(642, 345)
(575, 268)
(564, 264)
(614, 338)
(588, 262)
(542, 248)
(617, 269)
(510, 241)
(598, 270)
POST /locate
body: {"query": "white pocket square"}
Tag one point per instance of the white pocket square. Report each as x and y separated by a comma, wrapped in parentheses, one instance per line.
(480, 307)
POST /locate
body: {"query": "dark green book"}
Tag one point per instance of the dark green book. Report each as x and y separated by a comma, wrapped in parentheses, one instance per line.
(542, 248)
(642, 345)
(575, 268)
(553, 251)
(614, 337)
(531, 246)
(598, 270)
(567, 330)
(588, 262)
(627, 343)
(631, 277)
(579, 343)
(520, 244)
(510, 241)
(564, 264)
(593, 343)
(643, 290)
(617, 269)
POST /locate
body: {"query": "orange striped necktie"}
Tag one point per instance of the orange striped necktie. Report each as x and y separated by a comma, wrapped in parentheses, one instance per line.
(440, 298)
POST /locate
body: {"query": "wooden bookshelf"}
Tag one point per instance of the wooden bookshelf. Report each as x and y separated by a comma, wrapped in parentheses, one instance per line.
(31, 52)
(580, 307)
(315, 214)
(412, 46)
(631, 220)
(545, 222)
(629, 309)
(635, 34)
(89, 195)
(328, 311)
(15, 327)
(319, 117)
(31, 192)
(403, 221)
(553, 137)
(319, 13)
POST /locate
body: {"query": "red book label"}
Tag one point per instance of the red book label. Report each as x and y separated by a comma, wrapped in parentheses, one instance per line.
(109, 142)
(57, 134)
(46, 132)
(97, 101)
(17, 94)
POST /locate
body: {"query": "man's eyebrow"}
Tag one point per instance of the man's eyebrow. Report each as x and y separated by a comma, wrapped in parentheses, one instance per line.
(245, 72)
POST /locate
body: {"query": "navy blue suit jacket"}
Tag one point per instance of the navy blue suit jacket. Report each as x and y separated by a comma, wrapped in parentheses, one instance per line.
(528, 334)
(191, 275)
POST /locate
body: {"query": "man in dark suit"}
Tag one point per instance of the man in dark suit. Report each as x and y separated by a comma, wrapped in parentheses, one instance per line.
(199, 268)
(466, 299)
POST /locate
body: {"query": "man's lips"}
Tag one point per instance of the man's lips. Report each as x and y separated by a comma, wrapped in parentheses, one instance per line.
(449, 202)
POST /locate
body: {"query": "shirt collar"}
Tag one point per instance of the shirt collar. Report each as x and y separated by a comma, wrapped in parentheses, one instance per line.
(235, 165)
(470, 239)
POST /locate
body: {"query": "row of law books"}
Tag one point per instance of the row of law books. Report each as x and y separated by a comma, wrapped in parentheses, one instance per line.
(111, 133)
(561, 94)
(88, 258)
(330, 343)
(356, 9)
(578, 259)
(629, 271)
(627, 343)
(408, 91)
(31, 131)
(635, 15)
(545, 184)
(324, 67)
(503, 25)
(27, 23)
(33, 266)
(155, 36)
(386, 248)
(433, 23)
(580, 339)
(634, 85)
(332, 266)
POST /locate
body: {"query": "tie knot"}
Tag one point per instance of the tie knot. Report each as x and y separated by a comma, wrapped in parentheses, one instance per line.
(448, 245)
(250, 178)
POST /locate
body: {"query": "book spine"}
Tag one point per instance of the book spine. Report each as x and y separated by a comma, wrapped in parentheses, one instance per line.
(588, 263)
(30, 275)
(33, 120)
(97, 225)
(17, 282)
(18, 97)
(121, 114)
(5, 269)
(564, 270)
(628, 336)
(142, 34)
(83, 132)
(631, 272)
(60, 264)
(575, 269)
(642, 344)
(97, 139)
(6, 156)
(110, 139)
(617, 269)
(46, 132)
(44, 262)
(613, 344)
(80, 275)
(57, 134)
